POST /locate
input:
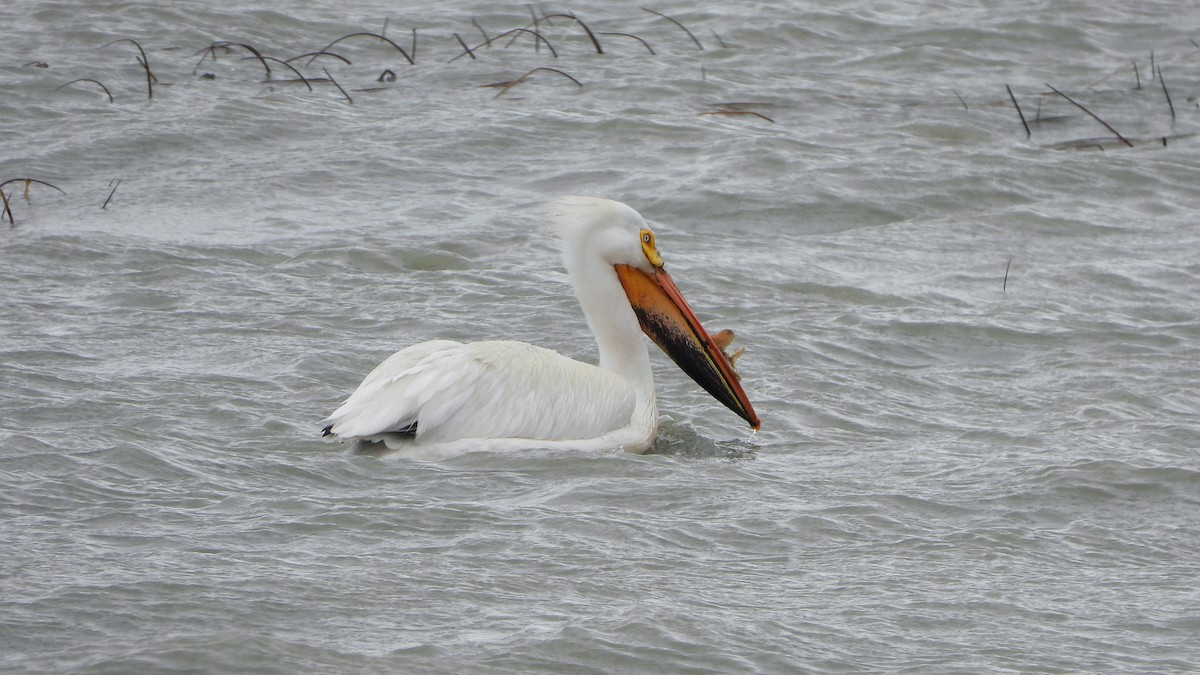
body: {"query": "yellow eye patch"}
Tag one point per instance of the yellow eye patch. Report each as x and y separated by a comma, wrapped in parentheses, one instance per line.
(650, 250)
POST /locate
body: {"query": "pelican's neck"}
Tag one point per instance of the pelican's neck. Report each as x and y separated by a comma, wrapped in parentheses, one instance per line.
(608, 312)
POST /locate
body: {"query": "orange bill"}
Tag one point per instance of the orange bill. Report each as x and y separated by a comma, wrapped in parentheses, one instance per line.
(668, 320)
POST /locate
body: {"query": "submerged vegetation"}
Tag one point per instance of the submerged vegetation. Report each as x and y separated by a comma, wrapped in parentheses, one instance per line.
(563, 49)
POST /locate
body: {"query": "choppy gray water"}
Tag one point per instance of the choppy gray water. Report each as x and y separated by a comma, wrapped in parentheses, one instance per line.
(975, 354)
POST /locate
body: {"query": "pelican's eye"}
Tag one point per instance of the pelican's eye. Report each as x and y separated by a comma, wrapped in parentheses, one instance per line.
(650, 250)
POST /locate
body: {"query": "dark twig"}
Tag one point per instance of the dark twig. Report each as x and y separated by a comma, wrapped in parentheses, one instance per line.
(1137, 76)
(1166, 93)
(466, 49)
(505, 86)
(1005, 287)
(144, 61)
(1016, 105)
(96, 82)
(258, 55)
(221, 44)
(537, 46)
(211, 49)
(960, 99)
(335, 83)
(4, 198)
(116, 182)
(677, 24)
(321, 53)
(486, 40)
(27, 183)
(630, 35)
(413, 49)
(536, 38)
(584, 26)
(374, 35)
(287, 65)
(739, 112)
(1093, 115)
(719, 40)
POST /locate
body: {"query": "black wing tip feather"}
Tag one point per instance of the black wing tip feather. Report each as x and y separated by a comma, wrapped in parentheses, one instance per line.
(410, 430)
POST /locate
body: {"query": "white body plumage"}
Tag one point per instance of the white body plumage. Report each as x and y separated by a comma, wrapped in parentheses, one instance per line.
(442, 398)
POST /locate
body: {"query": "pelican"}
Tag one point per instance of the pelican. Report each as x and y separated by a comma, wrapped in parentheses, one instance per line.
(442, 398)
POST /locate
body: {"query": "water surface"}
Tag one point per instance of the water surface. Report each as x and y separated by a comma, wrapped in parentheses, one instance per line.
(974, 352)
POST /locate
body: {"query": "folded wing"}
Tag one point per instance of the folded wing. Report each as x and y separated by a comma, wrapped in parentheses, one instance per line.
(445, 391)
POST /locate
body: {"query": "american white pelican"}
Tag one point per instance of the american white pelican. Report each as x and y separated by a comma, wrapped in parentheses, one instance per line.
(442, 398)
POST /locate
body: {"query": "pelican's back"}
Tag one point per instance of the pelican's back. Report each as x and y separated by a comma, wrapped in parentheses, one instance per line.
(442, 391)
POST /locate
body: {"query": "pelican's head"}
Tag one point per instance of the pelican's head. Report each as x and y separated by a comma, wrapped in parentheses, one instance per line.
(601, 230)
(604, 229)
